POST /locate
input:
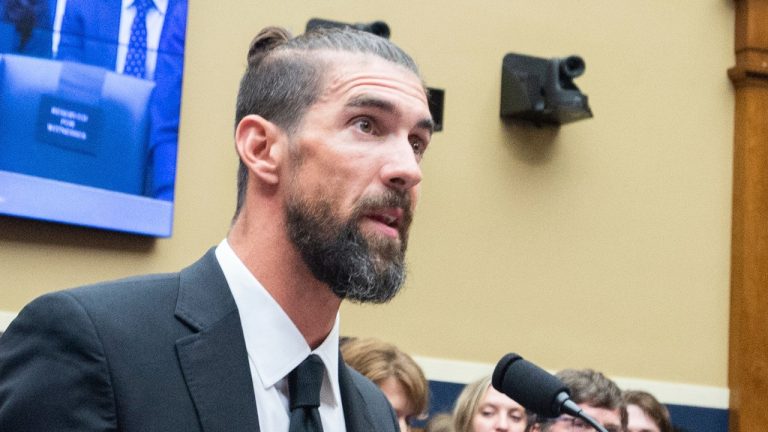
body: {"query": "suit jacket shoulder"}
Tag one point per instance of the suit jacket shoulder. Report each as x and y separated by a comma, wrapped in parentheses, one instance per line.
(37, 354)
(89, 32)
(94, 358)
(162, 352)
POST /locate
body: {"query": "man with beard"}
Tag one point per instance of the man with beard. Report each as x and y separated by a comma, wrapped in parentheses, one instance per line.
(330, 129)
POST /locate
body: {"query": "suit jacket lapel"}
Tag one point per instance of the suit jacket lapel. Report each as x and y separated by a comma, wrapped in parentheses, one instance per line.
(106, 27)
(214, 359)
(355, 412)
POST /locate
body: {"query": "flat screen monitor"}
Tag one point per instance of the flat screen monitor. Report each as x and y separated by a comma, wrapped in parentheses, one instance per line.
(90, 94)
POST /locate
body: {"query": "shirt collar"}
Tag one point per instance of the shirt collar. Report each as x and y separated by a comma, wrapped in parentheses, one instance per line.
(273, 342)
(160, 5)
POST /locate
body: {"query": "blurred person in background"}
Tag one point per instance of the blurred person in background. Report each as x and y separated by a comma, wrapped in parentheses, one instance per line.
(597, 395)
(440, 422)
(396, 373)
(481, 408)
(646, 413)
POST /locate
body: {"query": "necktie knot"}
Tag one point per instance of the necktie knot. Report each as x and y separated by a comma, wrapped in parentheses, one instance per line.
(142, 6)
(304, 383)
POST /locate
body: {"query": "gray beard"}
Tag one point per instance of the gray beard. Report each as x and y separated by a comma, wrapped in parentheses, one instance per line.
(339, 255)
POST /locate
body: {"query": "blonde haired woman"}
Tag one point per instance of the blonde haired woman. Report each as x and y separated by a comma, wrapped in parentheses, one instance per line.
(480, 408)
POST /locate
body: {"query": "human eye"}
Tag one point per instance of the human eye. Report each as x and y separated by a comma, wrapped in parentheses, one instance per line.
(579, 425)
(487, 412)
(365, 125)
(516, 415)
(418, 144)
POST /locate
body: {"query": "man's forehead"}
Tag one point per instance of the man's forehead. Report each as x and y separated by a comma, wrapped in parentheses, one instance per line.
(602, 412)
(346, 70)
(341, 56)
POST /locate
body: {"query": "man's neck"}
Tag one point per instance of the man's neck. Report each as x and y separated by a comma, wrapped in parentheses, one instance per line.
(312, 308)
(309, 303)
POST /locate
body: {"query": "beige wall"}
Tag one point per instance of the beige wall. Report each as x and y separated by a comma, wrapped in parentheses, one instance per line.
(604, 243)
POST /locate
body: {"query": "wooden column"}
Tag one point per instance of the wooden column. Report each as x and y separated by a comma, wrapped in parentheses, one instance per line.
(748, 345)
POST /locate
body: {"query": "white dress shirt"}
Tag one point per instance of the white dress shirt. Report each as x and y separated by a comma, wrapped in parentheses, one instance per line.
(155, 19)
(275, 347)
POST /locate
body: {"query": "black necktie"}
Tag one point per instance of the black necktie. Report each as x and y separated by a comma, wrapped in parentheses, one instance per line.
(304, 391)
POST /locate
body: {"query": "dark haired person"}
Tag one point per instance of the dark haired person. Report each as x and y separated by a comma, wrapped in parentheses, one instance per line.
(646, 413)
(330, 129)
(597, 395)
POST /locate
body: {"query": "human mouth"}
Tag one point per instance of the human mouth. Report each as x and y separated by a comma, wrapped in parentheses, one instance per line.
(387, 221)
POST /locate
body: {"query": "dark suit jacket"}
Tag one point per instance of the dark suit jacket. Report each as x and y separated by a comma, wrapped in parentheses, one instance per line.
(89, 32)
(154, 353)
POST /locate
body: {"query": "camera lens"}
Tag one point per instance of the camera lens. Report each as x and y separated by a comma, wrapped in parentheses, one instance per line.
(572, 66)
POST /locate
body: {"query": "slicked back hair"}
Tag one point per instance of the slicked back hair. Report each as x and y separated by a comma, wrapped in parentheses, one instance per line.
(285, 75)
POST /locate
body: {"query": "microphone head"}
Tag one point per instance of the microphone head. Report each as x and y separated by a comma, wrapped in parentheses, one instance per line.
(529, 385)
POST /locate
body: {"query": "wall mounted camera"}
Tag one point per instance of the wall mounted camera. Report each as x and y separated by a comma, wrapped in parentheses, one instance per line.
(436, 98)
(542, 90)
(379, 28)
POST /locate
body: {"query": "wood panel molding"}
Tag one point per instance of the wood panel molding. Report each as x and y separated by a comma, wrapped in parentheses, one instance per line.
(748, 342)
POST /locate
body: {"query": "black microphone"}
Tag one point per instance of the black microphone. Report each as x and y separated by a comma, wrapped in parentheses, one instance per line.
(536, 389)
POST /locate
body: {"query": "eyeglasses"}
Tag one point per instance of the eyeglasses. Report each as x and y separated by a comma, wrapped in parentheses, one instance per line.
(575, 424)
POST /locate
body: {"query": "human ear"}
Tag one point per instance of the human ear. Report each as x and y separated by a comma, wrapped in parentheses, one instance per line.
(259, 144)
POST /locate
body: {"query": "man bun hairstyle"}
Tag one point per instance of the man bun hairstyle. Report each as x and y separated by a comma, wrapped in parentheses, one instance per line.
(266, 40)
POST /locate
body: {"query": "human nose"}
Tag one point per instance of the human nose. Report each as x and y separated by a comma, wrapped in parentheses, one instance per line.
(401, 170)
(502, 422)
